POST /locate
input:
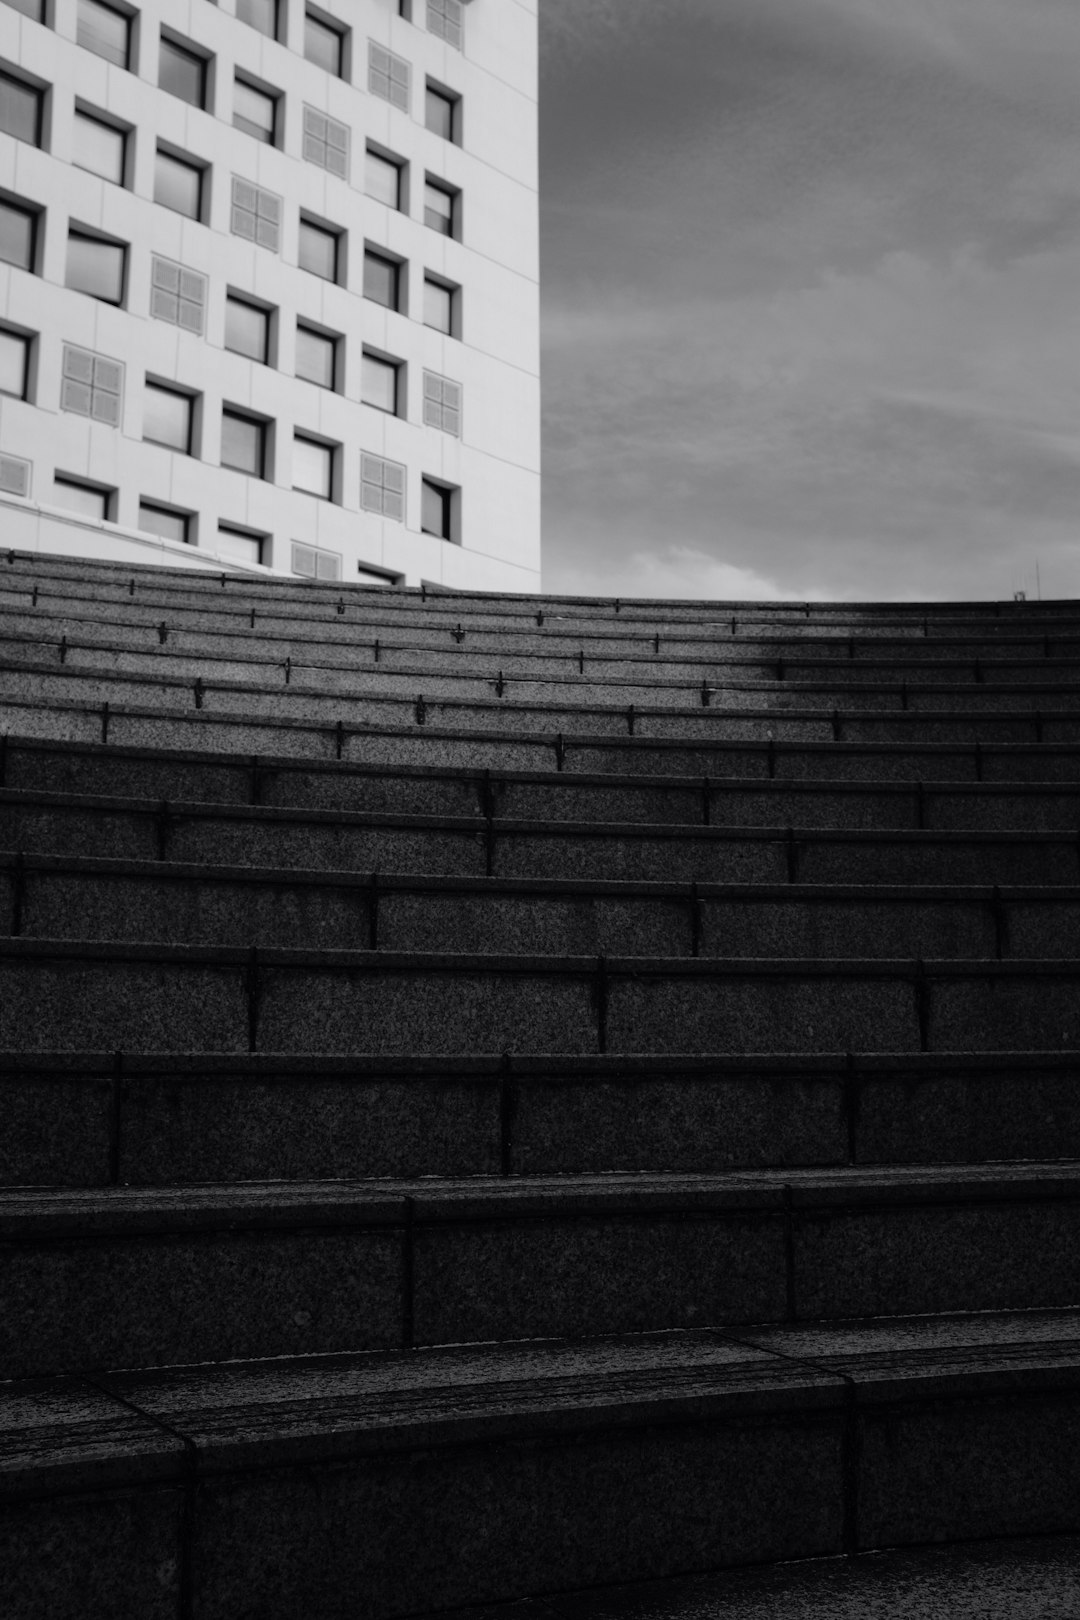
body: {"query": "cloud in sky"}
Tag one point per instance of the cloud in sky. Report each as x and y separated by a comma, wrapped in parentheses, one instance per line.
(811, 274)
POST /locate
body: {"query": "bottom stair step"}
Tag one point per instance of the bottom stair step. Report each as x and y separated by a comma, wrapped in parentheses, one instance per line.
(392, 1485)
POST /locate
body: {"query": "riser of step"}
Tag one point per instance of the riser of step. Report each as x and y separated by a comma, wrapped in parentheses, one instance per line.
(146, 998)
(348, 643)
(253, 1481)
(322, 841)
(732, 802)
(94, 1121)
(136, 1278)
(867, 713)
(374, 668)
(190, 905)
(837, 757)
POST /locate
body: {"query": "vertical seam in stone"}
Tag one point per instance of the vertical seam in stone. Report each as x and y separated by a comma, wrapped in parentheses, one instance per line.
(695, 921)
(706, 807)
(852, 1098)
(920, 805)
(104, 723)
(256, 780)
(790, 1300)
(373, 912)
(253, 988)
(1001, 923)
(408, 1276)
(116, 1100)
(340, 735)
(161, 821)
(791, 850)
(507, 1115)
(922, 1004)
(601, 1004)
(18, 893)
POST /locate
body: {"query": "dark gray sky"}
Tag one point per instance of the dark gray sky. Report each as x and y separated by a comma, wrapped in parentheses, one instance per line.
(811, 292)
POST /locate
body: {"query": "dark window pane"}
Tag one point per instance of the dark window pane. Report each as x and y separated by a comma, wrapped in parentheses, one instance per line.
(29, 8)
(438, 209)
(315, 356)
(177, 185)
(182, 73)
(13, 353)
(169, 525)
(16, 236)
(104, 31)
(99, 147)
(438, 306)
(95, 267)
(313, 467)
(261, 14)
(322, 44)
(435, 510)
(318, 251)
(20, 110)
(381, 280)
(254, 111)
(167, 418)
(240, 547)
(439, 114)
(247, 329)
(242, 443)
(83, 498)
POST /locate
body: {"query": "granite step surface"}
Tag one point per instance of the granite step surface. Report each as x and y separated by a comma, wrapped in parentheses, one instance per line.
(245, 1483)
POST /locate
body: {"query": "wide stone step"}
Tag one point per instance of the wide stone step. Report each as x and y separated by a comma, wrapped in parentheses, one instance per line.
(542, 795)
(57, 994)
(136, 1277)
(354, 841)
(96, 1119)
(246, 1483)
(62, 897)
(835, 756)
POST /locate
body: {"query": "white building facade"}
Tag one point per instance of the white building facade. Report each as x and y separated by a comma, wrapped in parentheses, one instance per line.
(269, 286)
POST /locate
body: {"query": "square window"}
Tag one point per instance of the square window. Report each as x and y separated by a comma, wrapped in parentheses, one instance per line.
(90, 500)
(326, 142)
(312, 562)
(382, 280)
(167, 417)
(99, 147)
(379, 383)
(316, 357)
(260, 14)
(255, 112)
(442, 404)
(95, 267)
(256, 214)
(239, 546)
(436, 509)
(182, 73)
(440, 208)
(382, 487)
(247, 329)
(388, 76)
(441, 113)
(161, 521)
(92, 385)
(178, 184)
(243, 444)
(324, 44)
(446, 20)
(14, 363)
(177, 295)
(20, 110)
(17, 233)
(313, 467)
(319, 250)
(382, 178)
(103, 30)
(439, 305)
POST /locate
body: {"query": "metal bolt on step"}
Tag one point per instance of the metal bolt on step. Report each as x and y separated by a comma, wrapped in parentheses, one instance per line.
(198, 693)
(288, 671)
(34, 597)
(63, 649)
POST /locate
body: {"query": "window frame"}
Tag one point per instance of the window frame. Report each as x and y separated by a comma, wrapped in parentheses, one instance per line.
(81, 35)
(333, 341)
(372, 357)
(335, 234)
(107, 492)
(246, 126)
(84, 115)
(449, 496)
(444, 225)
(231, 413)
(32, 216)
(193, 167)
(400, 169)
(453, 294)
(236, 301)
(187, 521)
(452, 101)
(77, 233)
(330, 452)
(254, 537)
(395, 269)
(181, 50)
(338, 30)
(368, 483)
(26, 340)
(274, 31)
(317, 552)
(151, 385)
(37, 93)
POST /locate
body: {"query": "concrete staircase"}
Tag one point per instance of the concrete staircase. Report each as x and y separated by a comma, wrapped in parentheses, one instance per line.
(502, 1096)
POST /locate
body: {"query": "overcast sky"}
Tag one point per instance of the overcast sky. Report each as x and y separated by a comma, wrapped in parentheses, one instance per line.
(811, 293)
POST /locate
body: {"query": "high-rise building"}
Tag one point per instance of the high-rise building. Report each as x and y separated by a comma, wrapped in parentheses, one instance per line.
(269, 286)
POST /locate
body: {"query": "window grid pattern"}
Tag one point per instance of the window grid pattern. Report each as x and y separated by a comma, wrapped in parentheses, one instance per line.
(442, 404)
(326, 142)
(446, 20)
(177, 295)
(388, 76)
(315, 563)
(92, 385)
(256, 214)
(14, 476)
(382, 487)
